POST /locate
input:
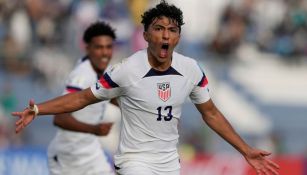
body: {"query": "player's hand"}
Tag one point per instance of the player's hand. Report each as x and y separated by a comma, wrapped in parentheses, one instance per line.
(25, 117)
(258, 160)
(103, 129)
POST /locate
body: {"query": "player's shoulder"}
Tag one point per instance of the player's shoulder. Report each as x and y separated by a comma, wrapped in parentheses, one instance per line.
(189, 68)
(131, 66)
(129, 70)
(83, 74)
(136, 59)
(83, 67)
(184, 59)
(184, 63)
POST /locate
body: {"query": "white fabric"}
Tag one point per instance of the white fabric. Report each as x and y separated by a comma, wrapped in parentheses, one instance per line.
(76, 149)
(96, 166)
(139, 168)
(144, 137)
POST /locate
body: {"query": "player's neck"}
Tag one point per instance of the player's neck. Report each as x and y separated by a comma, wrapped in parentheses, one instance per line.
(156, 64)
(98, 71)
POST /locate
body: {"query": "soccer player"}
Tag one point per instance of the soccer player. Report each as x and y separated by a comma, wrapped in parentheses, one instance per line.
(151, 86)
(76, 150)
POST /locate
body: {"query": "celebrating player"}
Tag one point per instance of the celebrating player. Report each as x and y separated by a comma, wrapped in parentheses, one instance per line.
(76, 148)
(151, 86)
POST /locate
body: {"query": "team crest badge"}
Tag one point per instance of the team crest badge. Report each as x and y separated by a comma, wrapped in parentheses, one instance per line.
(164, 91)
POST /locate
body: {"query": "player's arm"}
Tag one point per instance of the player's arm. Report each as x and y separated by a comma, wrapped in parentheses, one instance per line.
(63, 104)
(216, 121)
(68, 122)
(114, 102)
(68, 103)
(107, 87)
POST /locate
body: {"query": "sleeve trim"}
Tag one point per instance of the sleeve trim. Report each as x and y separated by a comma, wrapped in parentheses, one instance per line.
(107, 82)
(203, 82)
(72, 89)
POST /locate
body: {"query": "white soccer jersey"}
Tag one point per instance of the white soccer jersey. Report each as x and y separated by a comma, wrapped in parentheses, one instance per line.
(150, 103)
(76, 149)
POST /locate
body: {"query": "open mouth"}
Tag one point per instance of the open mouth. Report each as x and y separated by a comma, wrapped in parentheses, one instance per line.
(164, 46)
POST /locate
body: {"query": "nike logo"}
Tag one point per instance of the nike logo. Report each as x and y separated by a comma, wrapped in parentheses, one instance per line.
(97, 86)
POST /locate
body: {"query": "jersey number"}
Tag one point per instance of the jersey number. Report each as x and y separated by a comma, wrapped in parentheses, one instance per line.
(169, 114)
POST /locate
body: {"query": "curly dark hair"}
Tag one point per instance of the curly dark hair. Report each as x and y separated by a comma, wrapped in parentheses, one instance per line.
(98, 28)
(162, 9)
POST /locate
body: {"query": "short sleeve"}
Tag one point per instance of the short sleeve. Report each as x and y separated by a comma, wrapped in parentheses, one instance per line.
(200, 91)
(110, 84)
(76, 82)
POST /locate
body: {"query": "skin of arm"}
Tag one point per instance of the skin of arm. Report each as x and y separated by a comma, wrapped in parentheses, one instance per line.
(114, 102)
(68, 103)
(63, 104)
(216, 121)
(68, 122)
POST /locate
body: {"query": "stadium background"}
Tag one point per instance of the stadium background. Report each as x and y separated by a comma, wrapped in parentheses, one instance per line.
(254, 53)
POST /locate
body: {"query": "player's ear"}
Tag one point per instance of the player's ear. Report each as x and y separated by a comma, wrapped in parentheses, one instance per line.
(87, 47)
(145, 35)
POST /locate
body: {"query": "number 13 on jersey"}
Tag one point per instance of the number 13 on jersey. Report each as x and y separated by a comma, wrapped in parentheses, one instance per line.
(169, 114)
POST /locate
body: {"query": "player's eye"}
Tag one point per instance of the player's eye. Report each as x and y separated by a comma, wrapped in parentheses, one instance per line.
(98, 47)
(174, 30)
(109, 46)
(157, 28)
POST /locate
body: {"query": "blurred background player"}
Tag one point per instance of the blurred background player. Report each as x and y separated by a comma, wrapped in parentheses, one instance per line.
(76, 148)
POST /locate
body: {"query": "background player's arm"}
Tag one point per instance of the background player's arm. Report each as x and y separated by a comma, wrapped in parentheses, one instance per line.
(114, 102)
(68, 122)
(216, 121)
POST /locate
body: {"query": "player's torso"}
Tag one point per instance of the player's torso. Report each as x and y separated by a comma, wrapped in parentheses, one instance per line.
(86, 76)
(151, 90)
(151, 107)
(77, 143)
(163, 94)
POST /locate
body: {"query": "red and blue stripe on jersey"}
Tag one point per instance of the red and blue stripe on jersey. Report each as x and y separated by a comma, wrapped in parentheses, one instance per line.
(71, 89)
(203, 82)
(107, 82)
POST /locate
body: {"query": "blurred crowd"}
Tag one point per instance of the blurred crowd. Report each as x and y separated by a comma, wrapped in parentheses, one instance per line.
(41, 39)
(276, 26)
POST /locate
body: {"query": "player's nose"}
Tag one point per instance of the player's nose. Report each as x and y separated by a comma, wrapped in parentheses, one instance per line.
(165, 35)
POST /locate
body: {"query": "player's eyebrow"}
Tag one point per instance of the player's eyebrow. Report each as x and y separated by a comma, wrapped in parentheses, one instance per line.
(165, 27)
(158, 25)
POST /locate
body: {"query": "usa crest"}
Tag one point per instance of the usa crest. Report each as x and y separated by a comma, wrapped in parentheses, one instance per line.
(164, 91)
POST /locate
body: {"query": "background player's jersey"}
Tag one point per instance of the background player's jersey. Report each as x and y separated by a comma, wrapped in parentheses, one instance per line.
(150, 103)
(78, 147)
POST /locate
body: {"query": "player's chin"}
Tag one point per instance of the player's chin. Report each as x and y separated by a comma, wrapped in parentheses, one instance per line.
(162, 59)
(103, 66)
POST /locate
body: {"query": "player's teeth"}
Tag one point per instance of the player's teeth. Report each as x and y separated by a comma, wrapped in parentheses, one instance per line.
(104, 59)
